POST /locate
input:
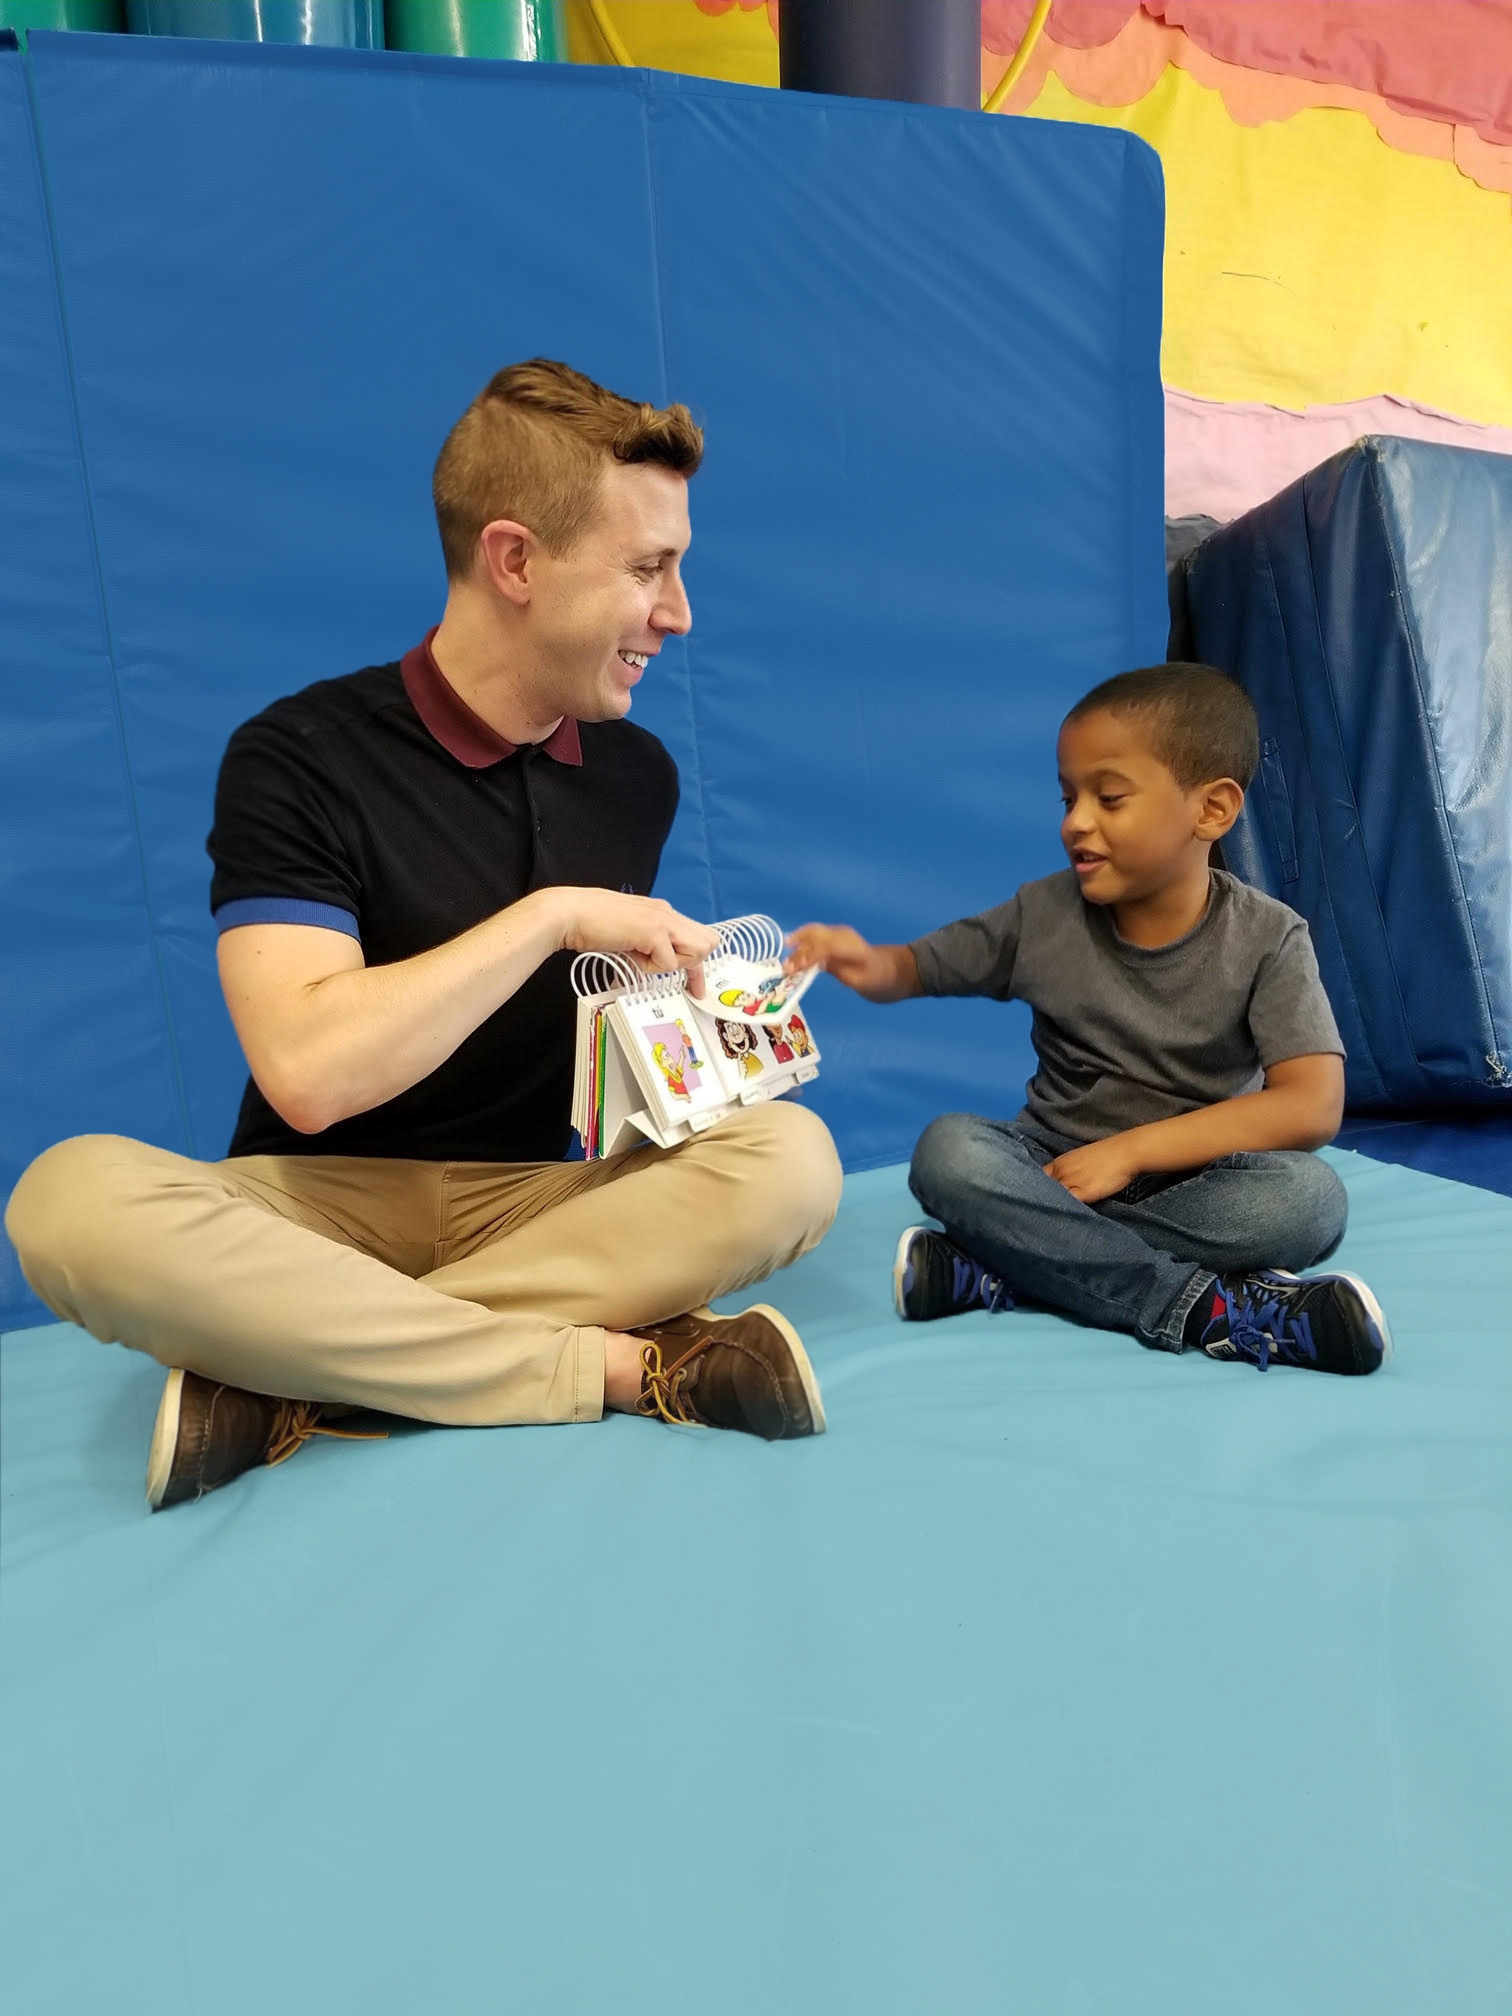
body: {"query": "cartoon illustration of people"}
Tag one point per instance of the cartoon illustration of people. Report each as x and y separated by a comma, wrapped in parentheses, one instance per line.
(782, 1050)
(797, 1029)
(765, 999)
(743, 1001)
(674, 1056)
(738, 1042)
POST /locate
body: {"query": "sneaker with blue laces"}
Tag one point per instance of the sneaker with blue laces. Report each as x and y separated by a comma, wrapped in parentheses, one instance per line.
(933, 1277)
(1318, 1322)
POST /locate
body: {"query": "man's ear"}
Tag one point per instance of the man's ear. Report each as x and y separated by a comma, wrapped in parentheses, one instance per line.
(1219, 805)
(505, 551)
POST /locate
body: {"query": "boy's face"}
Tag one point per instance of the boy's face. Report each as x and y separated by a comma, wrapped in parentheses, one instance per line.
(1130, 830)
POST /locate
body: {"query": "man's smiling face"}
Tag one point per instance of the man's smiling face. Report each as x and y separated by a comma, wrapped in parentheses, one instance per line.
(602, 610)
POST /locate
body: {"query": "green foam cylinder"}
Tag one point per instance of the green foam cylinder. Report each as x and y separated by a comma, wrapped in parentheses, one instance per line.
(337, 24)
(524, 31)
(104, 17)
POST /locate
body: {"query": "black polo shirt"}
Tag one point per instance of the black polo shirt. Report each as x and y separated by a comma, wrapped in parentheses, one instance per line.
(381, 805)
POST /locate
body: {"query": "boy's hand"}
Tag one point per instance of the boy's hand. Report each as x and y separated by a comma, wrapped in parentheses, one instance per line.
(1099, 1170)
(833, 948)
(877, 972)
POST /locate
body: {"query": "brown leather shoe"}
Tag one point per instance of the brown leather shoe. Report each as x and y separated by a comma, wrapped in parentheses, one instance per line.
(206, 1434)
(748, 1371)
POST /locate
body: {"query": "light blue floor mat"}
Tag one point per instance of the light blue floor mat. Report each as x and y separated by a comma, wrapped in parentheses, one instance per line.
(1060, 1678)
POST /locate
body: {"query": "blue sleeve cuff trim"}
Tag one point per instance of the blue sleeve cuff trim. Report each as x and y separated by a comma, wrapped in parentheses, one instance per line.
(285, 910)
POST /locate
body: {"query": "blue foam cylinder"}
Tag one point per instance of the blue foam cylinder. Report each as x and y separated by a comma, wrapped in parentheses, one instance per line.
(339, 24)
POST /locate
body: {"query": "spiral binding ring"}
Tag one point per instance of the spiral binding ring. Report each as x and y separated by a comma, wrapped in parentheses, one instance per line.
(602, 973)
(756, 939)
(595, 973)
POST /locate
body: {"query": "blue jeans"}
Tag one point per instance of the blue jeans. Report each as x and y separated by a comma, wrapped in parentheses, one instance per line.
(1140, 1259)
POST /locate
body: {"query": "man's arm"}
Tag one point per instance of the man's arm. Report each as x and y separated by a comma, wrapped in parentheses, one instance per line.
(1300, 1106)
(326, 1036)
(876, 972)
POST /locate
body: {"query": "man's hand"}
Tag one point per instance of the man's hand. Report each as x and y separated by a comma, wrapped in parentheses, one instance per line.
(327, 1036)
(879, 972)
(1099, 1170)
(647, 930)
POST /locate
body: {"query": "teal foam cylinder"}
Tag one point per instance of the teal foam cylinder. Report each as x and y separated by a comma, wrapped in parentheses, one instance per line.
(525, 31)
(338, 24)
(102, 17)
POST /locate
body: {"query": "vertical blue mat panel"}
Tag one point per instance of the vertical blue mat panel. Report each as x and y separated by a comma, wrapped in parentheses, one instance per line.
(1060, 1678)
(83, 1040)
(335, 252)
(285, 273)
(928, 348)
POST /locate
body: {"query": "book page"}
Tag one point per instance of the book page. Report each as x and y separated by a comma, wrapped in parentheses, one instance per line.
(759, 992)
(667, 1051)
(789, 1042)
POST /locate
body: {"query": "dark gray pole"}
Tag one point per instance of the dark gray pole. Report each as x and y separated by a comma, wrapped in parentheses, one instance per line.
(927, 52)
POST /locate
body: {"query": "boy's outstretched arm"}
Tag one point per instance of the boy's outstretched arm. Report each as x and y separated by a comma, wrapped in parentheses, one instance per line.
(876, 972)
(1300, 1106)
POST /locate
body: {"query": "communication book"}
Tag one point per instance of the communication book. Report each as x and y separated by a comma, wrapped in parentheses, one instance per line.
(655, 1062)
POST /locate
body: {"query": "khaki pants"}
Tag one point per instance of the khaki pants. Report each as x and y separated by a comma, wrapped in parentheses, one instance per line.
(465, 1292)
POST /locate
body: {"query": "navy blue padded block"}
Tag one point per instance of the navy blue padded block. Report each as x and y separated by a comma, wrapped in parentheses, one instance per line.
(84, 1041)
(1060, 1676)
(286, 271)
(1365, 609)
(1466, 1147)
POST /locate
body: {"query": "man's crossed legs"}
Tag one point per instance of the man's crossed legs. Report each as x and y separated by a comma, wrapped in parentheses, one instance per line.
(468, 1293)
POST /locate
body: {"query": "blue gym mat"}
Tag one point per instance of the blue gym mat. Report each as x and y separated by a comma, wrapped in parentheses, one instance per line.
(1059, 1677)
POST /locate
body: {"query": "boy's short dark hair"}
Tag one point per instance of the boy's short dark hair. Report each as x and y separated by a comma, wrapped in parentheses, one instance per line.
(1201, 724)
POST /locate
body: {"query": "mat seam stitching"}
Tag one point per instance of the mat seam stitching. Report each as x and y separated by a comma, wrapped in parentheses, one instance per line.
(87, 487)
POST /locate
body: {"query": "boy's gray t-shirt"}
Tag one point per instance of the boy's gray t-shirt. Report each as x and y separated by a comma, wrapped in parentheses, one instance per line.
(1126, 1034)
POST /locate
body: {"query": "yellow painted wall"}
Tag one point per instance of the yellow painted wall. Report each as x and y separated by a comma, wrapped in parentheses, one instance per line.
(738, 45)
(1309, 262)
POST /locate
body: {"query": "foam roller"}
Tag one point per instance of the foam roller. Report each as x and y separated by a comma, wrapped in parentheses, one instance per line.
(526, 31)
(338, 24)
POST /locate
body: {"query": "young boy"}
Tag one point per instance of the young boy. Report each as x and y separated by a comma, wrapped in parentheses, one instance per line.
(1159, 1178)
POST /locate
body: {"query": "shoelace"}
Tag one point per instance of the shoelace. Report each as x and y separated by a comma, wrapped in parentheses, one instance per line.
(662, 1390)
(970, 1282)
(1261, 1327)
(298, 1420)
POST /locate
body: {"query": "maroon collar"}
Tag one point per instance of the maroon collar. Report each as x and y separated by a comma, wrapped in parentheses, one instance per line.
(463, 734)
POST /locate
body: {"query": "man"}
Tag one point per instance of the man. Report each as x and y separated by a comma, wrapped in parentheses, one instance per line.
(405, 861)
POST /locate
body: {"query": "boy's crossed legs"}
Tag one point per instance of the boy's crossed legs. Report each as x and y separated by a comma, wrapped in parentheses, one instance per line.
(1203, 1257)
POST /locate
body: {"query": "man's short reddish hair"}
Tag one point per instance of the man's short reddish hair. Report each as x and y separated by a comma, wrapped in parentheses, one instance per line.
(532, 447)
